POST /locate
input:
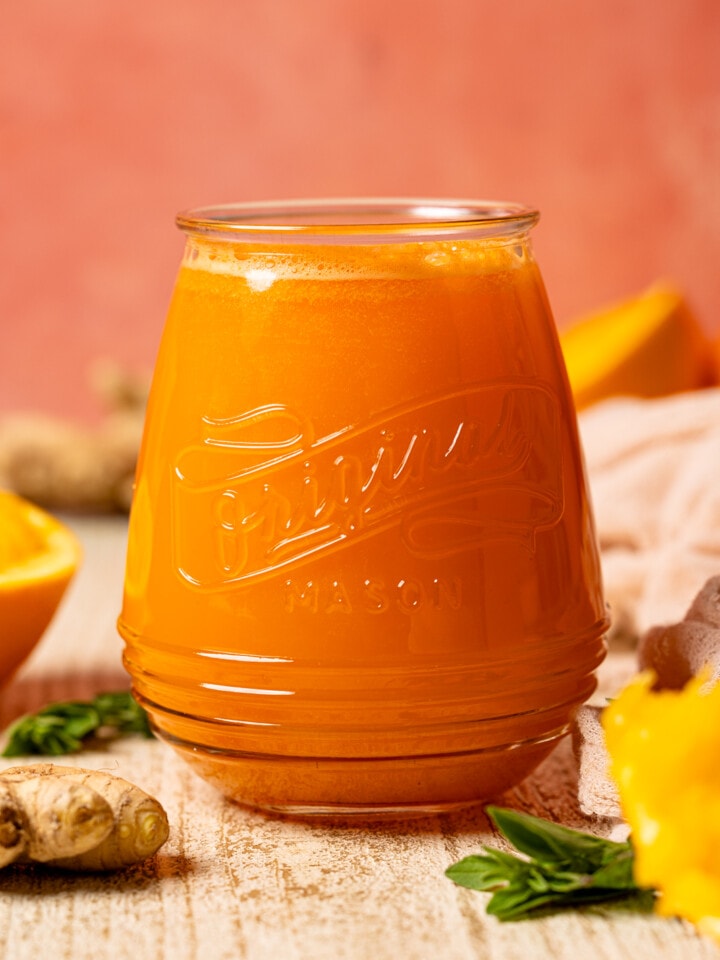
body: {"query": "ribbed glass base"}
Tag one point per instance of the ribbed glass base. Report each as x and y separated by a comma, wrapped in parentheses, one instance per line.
(364, 788)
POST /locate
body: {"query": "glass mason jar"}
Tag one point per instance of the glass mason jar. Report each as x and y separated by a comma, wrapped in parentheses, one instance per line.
(362, 574)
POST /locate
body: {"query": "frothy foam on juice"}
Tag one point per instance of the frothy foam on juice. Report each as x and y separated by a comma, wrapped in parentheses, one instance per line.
(261, 269)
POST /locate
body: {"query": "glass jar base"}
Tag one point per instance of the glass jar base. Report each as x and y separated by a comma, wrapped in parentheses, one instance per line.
(363, 788)
(348, 815)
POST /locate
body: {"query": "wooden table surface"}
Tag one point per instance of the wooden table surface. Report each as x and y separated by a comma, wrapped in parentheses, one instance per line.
(231, 884)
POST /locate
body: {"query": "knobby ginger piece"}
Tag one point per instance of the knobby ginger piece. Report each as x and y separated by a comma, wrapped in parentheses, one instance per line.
(76, 819)
(61, 464)
(140, 824)
(13, 835)
(43, 818)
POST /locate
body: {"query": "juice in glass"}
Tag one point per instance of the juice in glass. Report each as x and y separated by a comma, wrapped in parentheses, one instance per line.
(362, 573)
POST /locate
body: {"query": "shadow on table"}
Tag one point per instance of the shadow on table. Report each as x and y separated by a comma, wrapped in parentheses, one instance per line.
(26, 879)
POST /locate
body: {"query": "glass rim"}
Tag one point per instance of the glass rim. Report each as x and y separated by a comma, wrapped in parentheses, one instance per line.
(358, 219)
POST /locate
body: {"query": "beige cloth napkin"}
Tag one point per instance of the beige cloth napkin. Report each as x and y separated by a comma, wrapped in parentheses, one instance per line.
(654, 471)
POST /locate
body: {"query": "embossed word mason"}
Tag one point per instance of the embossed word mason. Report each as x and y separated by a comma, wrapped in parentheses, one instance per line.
(372, 595)
(275, 495)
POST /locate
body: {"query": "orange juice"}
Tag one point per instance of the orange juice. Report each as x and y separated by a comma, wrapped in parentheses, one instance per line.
(362, 573)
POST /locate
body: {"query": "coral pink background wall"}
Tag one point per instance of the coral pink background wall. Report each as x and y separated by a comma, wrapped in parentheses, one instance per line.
(115, 115)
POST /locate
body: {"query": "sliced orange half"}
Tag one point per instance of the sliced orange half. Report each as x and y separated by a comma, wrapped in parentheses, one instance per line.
(649, 346)
(38, 557)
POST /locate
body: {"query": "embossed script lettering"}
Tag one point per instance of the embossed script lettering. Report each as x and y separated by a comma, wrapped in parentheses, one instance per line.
(260, 492)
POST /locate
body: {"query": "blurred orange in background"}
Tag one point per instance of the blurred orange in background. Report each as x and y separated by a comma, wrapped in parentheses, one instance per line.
(115, 116)
(648, 346)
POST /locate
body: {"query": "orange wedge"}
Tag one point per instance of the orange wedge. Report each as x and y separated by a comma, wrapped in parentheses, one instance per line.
(649, 346)
(38, 557)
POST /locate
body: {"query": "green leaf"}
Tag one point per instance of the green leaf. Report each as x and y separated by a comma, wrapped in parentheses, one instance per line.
(54, 730)
(76, 718)
(122, 712)
(618, 873)
(561, 868)
(477, 873)
(510, 904)
(550, 842)
(63, 728)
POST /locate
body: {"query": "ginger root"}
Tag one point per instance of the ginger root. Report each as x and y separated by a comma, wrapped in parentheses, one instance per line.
(65, 465)
(76, 819)
(13, 836)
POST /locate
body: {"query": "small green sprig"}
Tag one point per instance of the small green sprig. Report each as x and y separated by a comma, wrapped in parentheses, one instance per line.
(561, 868)
(62, 728)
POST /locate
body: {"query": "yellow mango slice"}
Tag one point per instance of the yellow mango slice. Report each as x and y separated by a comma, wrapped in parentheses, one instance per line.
(649, 346)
